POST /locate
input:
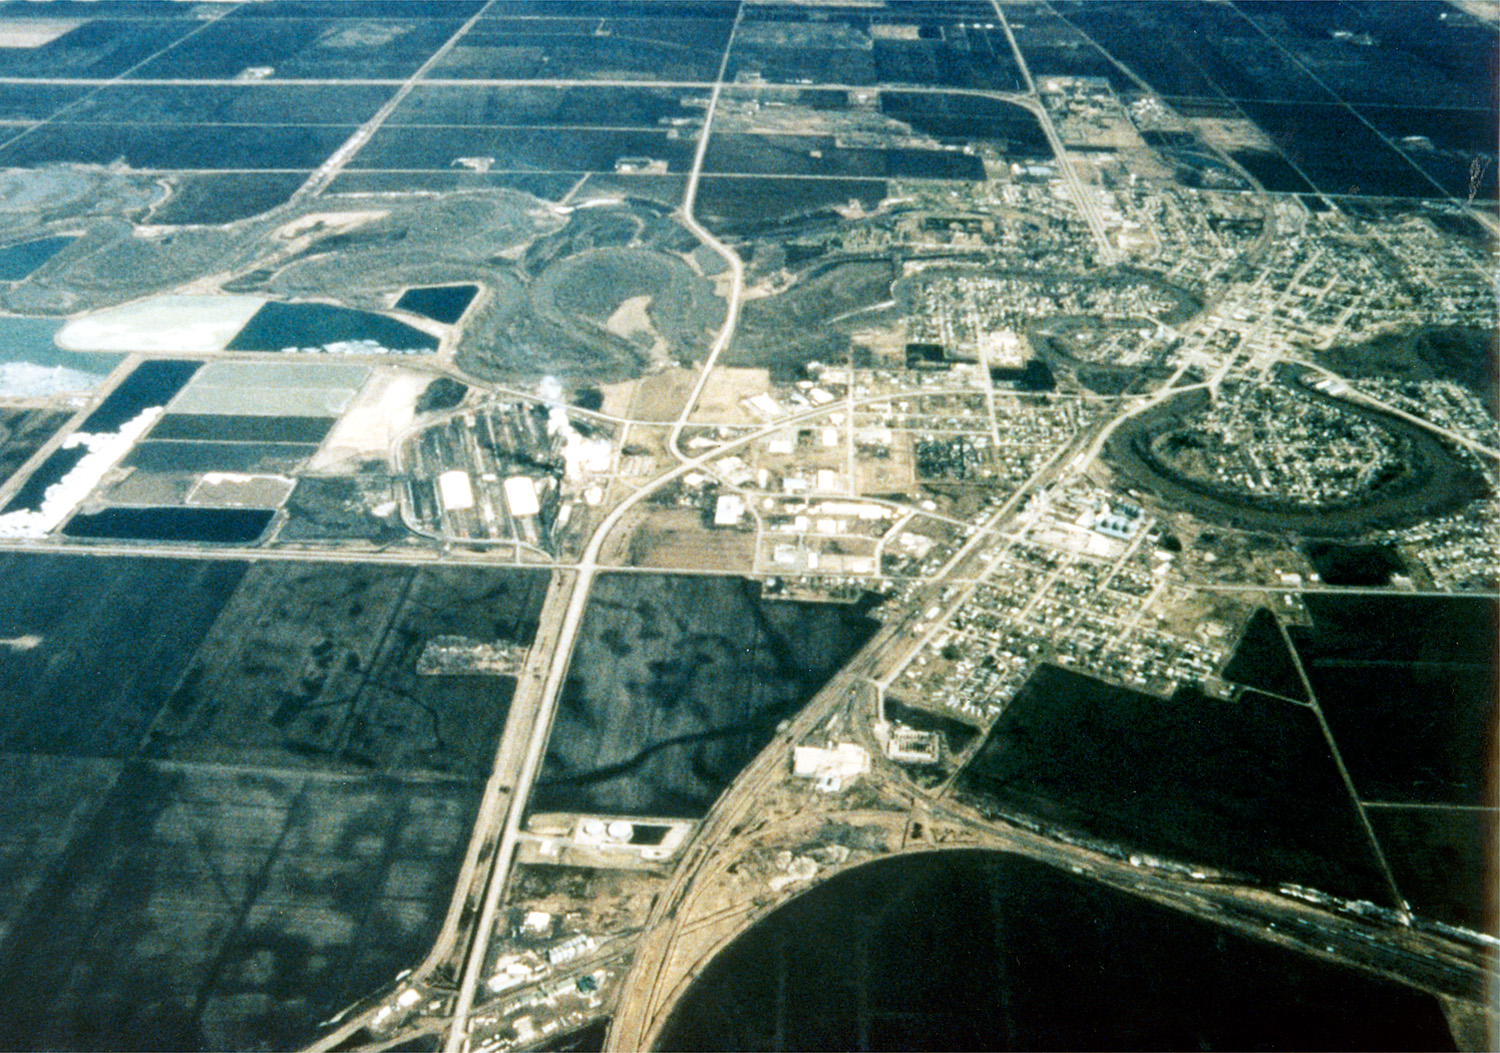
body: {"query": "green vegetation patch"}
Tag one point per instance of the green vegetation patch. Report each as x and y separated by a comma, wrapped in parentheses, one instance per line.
(1249, 786)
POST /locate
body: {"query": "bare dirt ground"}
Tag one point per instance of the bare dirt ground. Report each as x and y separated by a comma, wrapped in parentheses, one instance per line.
(380, 412)
(1237, 134)
(720, 403)
(661, 396)
(886, 475)
(675, 538)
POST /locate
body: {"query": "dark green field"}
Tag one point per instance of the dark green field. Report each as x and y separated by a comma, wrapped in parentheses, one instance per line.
(229, 805)
(676, 683)
(23, 432)
(1247, 786)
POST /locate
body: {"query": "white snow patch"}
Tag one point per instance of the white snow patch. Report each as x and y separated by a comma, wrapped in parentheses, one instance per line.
(24, 380)
(357, 347)
(104, 452)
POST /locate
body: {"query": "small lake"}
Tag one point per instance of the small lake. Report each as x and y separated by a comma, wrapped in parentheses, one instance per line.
(21, 261)
(441, 303)
(225, 526)
(325, 327)
(981, 950)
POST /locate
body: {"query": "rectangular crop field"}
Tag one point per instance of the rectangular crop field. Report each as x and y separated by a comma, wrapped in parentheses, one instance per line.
(676, 683)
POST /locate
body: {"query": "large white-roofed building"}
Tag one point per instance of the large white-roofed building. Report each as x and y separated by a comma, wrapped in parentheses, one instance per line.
(520, 496)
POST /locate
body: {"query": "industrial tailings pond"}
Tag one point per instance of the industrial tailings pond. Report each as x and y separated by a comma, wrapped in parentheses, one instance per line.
(185, 323)
(33, 366)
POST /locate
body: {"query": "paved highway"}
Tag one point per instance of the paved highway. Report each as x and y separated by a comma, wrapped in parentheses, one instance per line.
(1086, 205)
(532, 713)
(1355, 395)
(661, 974)
(541, 709)
(687, 926)
(730, 257)
(536, 710)
(319, 180)
(516, 767)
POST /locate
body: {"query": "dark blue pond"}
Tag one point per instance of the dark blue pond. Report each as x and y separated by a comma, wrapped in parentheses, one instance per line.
(59, 464)
(19, 261)
(150, 384)
(226, 526)
(441, 303)
(292, 326)
(977, 950)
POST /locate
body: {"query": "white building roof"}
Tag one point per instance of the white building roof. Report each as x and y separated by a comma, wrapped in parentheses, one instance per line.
(455, 491)
(520, 496)
(729, 510)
